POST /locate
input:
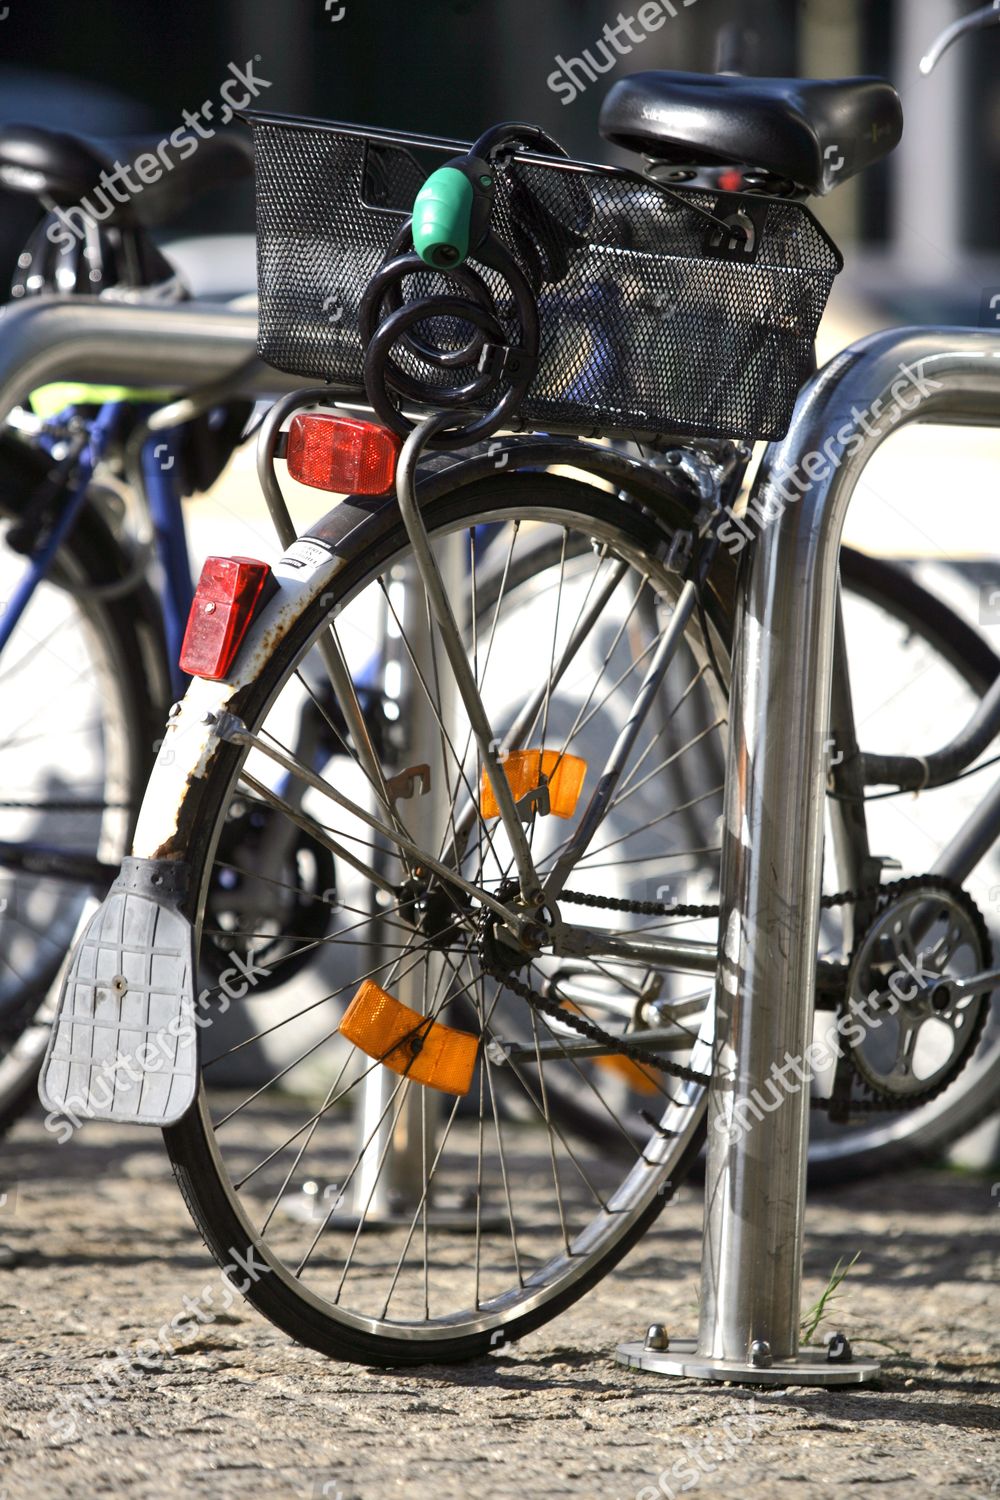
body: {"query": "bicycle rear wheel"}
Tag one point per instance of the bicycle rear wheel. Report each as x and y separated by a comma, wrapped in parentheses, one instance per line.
(490, 1225)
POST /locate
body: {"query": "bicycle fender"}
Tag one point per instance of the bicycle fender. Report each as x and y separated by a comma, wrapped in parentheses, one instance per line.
(310, 568)
(124, 1044)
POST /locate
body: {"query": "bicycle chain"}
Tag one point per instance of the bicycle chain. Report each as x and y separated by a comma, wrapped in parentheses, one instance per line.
(661, 909)
(644, 1055)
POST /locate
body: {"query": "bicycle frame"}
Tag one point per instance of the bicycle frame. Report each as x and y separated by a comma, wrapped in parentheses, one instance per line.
(163, 497)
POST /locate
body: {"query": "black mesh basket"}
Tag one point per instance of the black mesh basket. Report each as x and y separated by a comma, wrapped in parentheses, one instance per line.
(653, 317)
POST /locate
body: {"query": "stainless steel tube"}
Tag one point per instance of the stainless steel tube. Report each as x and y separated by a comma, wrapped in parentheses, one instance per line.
(86, 338)
(772, 847)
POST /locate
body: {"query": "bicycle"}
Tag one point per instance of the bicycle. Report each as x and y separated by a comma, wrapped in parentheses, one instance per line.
(88, 567)
(479, 894)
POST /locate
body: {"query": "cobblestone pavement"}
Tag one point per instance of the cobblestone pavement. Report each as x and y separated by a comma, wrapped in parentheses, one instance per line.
(107, 1253)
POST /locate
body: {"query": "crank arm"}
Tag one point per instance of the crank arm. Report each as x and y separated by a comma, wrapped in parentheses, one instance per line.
(960, 989)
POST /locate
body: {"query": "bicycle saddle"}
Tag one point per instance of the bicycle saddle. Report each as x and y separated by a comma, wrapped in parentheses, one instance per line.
(812, 133)
(66, 168)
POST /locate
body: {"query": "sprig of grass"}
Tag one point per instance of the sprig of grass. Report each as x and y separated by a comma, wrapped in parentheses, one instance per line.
(816, 1314)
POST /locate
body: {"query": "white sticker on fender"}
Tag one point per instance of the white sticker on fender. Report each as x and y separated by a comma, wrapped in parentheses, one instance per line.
(304, 558)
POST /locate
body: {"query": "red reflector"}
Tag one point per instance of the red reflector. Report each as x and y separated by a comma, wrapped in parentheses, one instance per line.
(731, 180)
(341, 454)
(223, 607)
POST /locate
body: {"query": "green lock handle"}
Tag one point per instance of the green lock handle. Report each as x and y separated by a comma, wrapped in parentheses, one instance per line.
(451, 212)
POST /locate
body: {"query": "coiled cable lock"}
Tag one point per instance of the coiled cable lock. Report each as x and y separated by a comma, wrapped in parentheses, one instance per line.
(451, 222)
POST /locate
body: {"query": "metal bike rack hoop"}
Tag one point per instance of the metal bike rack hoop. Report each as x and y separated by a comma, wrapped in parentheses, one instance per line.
(772, 846)
(125, 343)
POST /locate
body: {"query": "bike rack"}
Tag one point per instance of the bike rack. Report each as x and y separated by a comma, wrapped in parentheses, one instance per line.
(772, 851)
(87, 338)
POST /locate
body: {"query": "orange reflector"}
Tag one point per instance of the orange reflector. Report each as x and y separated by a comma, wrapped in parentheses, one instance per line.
(635, 1074)
(341, 454)
(437, 1056)
(525, 770)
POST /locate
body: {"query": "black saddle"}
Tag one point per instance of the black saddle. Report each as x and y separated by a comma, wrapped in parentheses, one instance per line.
(65, 168)
(811, 133)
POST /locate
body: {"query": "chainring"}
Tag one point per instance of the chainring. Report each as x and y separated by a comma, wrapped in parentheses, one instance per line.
(888, 982)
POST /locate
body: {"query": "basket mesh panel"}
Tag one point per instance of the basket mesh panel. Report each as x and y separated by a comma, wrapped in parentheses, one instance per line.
(641, 329)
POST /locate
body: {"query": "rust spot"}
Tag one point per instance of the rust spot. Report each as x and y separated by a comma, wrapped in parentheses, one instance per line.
(168, 851)
(174, 847)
